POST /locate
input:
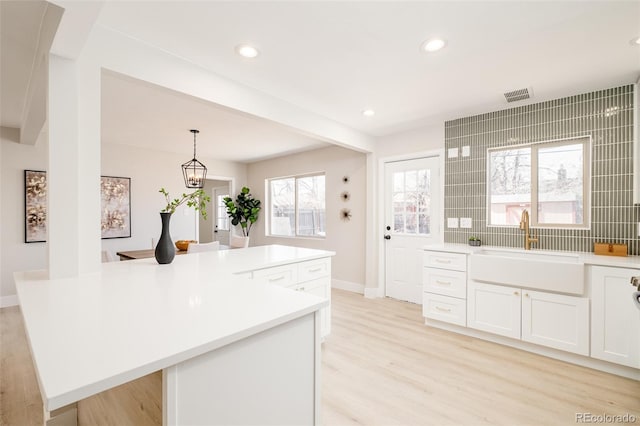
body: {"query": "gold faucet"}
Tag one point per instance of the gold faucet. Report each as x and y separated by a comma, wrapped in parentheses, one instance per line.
(524, 225)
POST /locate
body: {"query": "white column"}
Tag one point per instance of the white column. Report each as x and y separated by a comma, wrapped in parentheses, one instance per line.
(62, 174)
(89, 166)
(74, 168)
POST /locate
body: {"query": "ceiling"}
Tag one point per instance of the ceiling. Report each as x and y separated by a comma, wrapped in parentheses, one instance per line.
(152, 117)
(337, 58)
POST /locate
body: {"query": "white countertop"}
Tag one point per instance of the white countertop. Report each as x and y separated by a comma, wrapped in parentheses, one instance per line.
(584, 257)
(94, 332)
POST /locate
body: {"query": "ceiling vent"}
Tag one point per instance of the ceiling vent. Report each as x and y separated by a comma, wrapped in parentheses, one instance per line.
(517, 95)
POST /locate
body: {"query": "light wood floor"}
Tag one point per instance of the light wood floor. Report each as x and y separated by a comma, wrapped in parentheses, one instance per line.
(381, 366)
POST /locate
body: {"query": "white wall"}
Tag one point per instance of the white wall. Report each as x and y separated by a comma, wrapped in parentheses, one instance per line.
(423, 139)
(149, 171)
(16, 254)
(347, 239)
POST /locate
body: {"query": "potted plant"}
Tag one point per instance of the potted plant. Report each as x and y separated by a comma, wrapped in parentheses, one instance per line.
(474, 241)
(198, 199)
(244, 211)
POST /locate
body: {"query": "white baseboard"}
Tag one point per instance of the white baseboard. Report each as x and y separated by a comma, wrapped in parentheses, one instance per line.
(7, 301)
(585, 361)
(347, 285)
(372, 292)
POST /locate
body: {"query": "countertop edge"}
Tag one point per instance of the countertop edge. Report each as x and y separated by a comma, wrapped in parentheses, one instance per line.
(586, 258)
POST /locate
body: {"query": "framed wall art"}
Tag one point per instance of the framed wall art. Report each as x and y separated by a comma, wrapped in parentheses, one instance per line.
(115, 216)
(35, 206)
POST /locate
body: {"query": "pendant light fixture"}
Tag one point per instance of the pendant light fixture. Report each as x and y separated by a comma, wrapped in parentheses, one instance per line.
(194, 172)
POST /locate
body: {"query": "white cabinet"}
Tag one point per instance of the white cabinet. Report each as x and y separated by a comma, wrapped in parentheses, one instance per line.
(445, 260)
(444, 308)
(285, 276)
(313, 276)
(554, 320)
(444, 287)
(494, 308)
(615, 321)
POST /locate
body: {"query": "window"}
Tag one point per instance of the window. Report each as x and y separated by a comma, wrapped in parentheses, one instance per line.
(297, 206)
(222, 219)
(553, 177)
(411, 201)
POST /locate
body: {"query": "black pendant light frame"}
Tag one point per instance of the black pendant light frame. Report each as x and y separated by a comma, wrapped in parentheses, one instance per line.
(194, 172)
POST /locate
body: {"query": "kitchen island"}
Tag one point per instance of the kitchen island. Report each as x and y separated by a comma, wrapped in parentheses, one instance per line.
(233, 349)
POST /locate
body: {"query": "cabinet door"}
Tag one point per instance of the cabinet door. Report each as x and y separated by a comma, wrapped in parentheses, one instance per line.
(615, 321)
(494, 308)
(555, 320)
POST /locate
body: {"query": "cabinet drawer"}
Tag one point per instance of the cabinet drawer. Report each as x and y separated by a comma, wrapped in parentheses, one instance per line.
(445, 282)
(444, 308)
(445, 260)
(313, 269)
(318, 287)
(285, 276)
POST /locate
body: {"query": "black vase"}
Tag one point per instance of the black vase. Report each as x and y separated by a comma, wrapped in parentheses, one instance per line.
(165, 250)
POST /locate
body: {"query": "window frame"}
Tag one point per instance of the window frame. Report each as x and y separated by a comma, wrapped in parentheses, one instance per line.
(533, 211)
(295, 178)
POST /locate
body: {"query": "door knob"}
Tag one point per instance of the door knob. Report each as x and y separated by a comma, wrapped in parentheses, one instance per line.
(387, 237)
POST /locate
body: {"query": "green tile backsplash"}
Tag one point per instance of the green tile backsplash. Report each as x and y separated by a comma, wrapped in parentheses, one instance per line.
(605, 115)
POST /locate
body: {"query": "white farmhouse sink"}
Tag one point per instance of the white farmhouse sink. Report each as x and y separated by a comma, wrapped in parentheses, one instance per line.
(549, 271)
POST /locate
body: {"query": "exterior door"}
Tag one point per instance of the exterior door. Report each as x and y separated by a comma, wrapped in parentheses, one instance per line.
(412, 220)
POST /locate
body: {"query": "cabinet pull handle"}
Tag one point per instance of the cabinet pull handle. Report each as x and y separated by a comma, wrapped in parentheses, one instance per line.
(443, 282)
(300, 289)
(443, 260)
(443, 309)
(516, 293)
(315, 270)
(280, 278)
(526, 295)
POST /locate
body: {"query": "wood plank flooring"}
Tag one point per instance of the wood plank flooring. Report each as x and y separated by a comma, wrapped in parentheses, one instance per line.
(381, 366)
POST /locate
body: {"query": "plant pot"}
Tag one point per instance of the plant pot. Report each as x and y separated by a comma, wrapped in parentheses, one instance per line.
(238, 242)
(475, 243)
(165, 250)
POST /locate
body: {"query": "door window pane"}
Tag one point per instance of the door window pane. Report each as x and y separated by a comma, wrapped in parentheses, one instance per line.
(411, 202)
(222, 219)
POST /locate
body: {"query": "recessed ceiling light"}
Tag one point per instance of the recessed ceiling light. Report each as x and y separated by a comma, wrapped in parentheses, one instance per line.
(247, 51)
(433, 45)
(368, 113)
(635, 41)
